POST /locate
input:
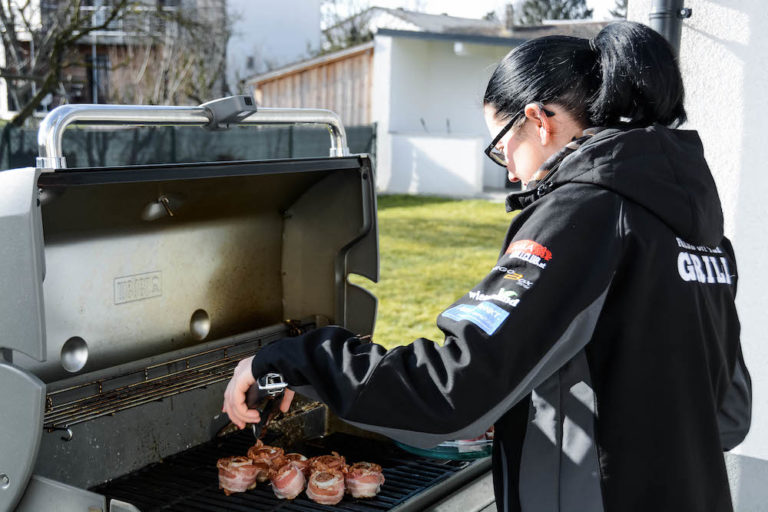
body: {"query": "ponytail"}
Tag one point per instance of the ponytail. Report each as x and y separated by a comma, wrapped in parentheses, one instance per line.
(626, 76)
(640, 79)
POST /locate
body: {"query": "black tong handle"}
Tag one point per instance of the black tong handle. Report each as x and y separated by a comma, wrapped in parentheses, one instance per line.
(266, 392)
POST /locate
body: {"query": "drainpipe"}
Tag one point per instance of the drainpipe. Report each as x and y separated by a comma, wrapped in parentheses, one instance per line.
(667, 19)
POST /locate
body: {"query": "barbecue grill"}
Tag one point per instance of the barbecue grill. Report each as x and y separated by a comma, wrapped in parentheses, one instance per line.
(130, 293)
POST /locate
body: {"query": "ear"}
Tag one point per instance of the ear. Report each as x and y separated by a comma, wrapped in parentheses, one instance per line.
(542, 122)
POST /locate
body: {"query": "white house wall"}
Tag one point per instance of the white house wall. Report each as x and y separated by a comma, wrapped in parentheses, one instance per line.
(723, 61)
(425, 92)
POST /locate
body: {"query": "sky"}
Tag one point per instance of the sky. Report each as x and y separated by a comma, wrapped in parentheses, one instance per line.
(477, 8)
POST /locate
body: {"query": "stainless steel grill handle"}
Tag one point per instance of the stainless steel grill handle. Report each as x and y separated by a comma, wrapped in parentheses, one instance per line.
(51, 131)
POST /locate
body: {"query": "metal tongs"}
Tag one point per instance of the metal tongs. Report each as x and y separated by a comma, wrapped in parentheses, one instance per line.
(265, 396)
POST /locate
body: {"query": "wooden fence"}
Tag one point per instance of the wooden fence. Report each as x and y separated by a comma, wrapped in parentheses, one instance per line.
(341, 82)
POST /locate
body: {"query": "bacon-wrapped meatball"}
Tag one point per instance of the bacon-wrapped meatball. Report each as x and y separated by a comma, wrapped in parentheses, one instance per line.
(364, 479)
(301, 462)
(263, 467)
(334, 461)
(287, 481)
(236, 474)
(326, 486)
(264, 452)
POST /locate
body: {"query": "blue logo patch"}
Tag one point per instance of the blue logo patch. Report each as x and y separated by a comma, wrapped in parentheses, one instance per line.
(486, 315)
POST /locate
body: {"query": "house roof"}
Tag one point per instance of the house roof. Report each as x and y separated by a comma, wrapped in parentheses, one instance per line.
(442, 23)
(585, 29)
(456, 37)
(447, 28)
(575, 28)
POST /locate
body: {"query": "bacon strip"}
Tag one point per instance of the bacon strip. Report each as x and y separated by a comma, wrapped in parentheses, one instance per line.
(236, 474)
(364, 479)
(288, 481)
(326, 486)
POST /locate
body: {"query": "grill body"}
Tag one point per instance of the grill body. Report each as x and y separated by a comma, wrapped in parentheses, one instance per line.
(130, 293)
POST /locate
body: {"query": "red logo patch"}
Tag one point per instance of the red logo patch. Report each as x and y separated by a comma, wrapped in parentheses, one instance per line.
(529, 247)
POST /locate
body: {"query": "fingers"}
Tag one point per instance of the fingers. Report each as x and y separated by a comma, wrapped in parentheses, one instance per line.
(287, 399)
(237, 410)
(234, 395)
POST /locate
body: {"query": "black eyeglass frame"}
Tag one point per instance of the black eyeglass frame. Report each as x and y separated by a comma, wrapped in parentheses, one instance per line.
(489, 150)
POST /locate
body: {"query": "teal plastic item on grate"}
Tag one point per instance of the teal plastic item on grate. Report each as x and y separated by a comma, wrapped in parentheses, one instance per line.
(454, 450)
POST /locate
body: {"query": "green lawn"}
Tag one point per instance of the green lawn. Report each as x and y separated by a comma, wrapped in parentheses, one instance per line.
(432, 251)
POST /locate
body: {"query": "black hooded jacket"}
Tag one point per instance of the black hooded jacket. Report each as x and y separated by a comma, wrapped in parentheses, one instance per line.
(604, 344)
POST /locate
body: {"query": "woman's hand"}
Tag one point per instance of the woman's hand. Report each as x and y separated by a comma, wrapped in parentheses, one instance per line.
(234, 396)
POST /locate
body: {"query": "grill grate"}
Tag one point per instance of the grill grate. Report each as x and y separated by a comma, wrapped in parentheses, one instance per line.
(107, 395)
(188, 481)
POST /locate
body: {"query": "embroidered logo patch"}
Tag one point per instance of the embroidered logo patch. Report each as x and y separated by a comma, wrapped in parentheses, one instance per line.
(708, 268)
(530, 251)
(513, 275)
(503, 295)
(486, 315)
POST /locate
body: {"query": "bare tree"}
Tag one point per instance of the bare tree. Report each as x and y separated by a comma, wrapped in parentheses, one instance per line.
(182, 53)
(186, 62)
(535, 11)
(39, 39)
(345, 24)
(619, 9)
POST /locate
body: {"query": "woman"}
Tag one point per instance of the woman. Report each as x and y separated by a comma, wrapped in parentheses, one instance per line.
(604, 344)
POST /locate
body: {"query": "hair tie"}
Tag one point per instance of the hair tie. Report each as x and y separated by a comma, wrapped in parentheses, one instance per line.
(593, 46)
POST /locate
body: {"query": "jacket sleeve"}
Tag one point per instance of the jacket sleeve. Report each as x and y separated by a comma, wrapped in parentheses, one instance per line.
(531, 314)
(735, 414)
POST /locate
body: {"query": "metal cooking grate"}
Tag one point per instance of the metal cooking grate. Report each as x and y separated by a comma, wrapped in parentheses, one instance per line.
(188, 481)
(191, 375)
(144, 384)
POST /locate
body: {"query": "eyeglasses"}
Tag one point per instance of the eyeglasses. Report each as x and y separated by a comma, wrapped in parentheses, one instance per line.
(497, 156)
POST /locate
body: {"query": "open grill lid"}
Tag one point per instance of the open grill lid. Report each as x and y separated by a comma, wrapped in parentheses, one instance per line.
(110, 266)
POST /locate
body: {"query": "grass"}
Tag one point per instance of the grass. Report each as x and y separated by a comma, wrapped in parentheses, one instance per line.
(433, 250)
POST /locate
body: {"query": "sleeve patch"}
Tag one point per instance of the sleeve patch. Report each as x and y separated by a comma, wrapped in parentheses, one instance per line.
(530, 251)
(486, 315)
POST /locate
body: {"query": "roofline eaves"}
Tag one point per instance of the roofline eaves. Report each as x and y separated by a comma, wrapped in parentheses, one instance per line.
(463, 38)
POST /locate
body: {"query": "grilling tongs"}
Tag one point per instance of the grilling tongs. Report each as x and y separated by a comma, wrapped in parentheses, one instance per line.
(265, 396)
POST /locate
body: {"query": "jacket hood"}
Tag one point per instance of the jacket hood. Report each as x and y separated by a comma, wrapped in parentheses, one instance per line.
(661, 169)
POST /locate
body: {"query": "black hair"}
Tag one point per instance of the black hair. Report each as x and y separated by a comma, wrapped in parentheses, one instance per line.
(627, 75)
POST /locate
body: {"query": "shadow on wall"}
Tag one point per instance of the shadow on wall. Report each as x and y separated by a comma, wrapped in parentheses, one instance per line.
(748, 475)
(750, 492)
(448, 166)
